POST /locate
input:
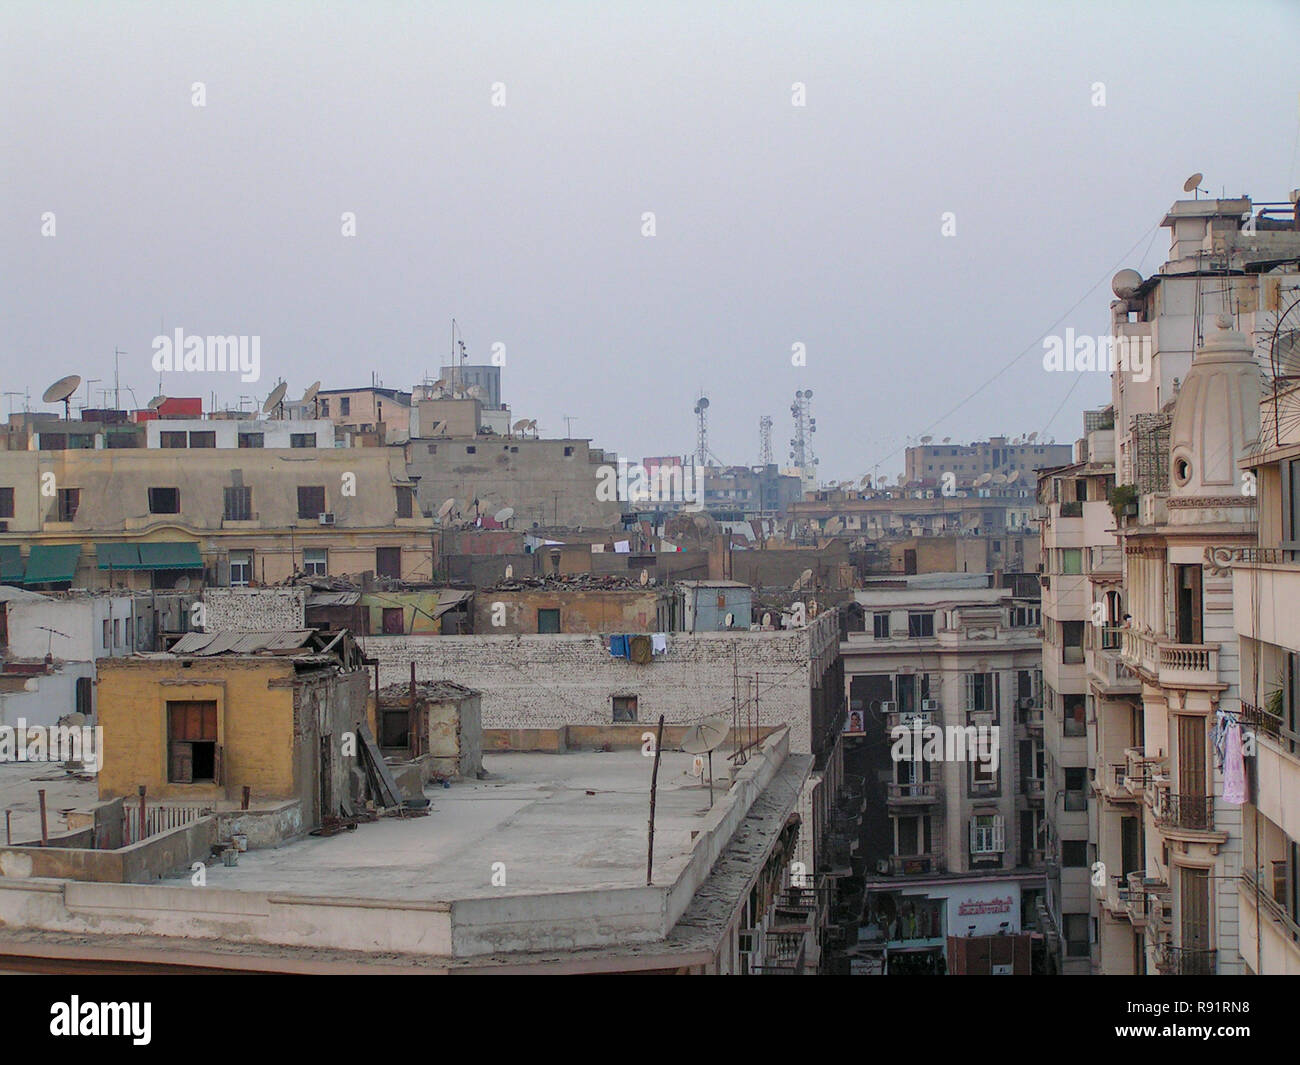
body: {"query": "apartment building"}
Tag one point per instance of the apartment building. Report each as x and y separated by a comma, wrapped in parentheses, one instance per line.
(1082, 596)
(927, 463)
(953, 846)
(1266, 589)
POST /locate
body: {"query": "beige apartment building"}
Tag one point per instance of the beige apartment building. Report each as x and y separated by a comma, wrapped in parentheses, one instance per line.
(154, 518)
(1081, 589)
(1266, 592)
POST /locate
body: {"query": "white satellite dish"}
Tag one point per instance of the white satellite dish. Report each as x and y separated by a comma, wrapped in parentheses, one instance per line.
(767, 621)
(983, 478)
(704, 736)
(519, 426)
(510, 571)
(275, 398)
(447, 506)
(1033, 436)
(476, 392)
(730, 619)
(645, 578)
(926, 439)
(503, 515)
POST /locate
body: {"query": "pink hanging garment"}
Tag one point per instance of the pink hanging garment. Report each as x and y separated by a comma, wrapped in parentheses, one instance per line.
(1234, 768)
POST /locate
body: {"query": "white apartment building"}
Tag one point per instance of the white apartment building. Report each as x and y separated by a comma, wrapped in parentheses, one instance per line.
(1168, 875)
(952, 847)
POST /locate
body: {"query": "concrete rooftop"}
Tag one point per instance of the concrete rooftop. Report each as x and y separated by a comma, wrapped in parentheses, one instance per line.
(19, 784)
(534, 814)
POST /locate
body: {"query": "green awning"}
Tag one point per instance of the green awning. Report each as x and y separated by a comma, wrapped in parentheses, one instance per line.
(11, 564)
(117, 556)
(52, 563)
(170, 555)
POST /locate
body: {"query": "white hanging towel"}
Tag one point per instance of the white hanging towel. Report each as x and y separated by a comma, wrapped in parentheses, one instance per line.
(659, 643)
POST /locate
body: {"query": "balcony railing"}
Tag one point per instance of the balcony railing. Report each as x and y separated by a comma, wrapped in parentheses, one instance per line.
(1193, 813)
(925, 791)
(1186, 961)
(1141, 770)
(1172, 664)
(1277, 910)
(1259, 719)
(913, 864)
(1032, 787)
(1115, 784)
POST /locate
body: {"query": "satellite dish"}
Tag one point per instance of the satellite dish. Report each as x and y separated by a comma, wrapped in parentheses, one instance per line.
(157, 401)
(701, 404)
(310, 395)
(182, 584)
(476, 392)
(1033, 436)
(1193, 182)
(510, 571)
(61, 392)
(983, 478)
(703, 737)
(1126, 283)
(767, 621)
(519, 426)
(1013, 477)
(946, 439)
(645, 578)
(926, 439)
(532, 424)
(440, 384)
(730, 619)
(701, 521)
(999, 478)
(807, 393)
(275, 398)
(866, 480)
(447, 506)
(503, 515)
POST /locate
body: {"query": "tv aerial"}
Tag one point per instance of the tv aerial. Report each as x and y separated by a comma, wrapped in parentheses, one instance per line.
(61, 392)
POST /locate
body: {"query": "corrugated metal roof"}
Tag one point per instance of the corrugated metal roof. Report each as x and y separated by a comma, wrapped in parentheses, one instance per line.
(333, 598)
(240, 643)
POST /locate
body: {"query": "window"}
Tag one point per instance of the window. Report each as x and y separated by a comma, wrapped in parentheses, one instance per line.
(405, 497)
(324, 407)
(164, 500)
(345, 405)
(470, 449)
(568, 452)
(1076, 722)
(433, 449)
(624, 708)
(394, 620)
(981, 693)
(1076, 934)
(238, 504)
(193, 755)
(1026, 617)
(920, 625)
(1076, 790)
(207, 438)
(172, 440)
(880, 626)
(117, 632)
(106, 638)
(1074, 853)
(241, 568)
(548, 619)
(83, 696)
(986, 834)
(252, 439)
(314, 562)
(302, 439)
(1072, 642)
(6, 502)
(53, 441)
(1072, 560)
(983, 775)
(68, 500)
(311, 500)
(388, 561)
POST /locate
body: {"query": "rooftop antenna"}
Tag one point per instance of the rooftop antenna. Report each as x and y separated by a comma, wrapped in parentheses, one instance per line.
(1193, 183)
(117, 389)
(569, 419)
(702, 430)
(61, 392)
(765, 439)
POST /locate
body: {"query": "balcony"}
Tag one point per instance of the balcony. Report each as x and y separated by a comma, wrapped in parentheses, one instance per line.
(1172, 665)
(1141, 771)
(1115, 784)
(909, 718)
(1032, 788)
(920, 793)
(1031, 719)
(1185, 813)
(1185, 961)
(1108, 670)
(1261, 721)
(913, 864)
(1106, 561)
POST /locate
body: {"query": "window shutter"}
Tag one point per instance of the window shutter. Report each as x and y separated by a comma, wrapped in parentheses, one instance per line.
(968, 682)
(974, 837)
(216, 763)
(999, 832)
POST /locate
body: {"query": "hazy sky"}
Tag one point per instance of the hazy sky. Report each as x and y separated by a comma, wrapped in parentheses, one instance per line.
(775, 224)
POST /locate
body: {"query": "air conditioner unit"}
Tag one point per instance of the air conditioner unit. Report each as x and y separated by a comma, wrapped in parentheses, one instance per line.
(888, 706)
(929, 704)
(882, 866)
(327, 519)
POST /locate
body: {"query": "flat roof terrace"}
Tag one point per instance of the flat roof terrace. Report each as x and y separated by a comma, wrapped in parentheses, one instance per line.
(554, 822)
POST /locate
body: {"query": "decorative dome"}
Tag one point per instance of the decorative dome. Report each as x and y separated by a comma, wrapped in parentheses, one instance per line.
(1216, 416)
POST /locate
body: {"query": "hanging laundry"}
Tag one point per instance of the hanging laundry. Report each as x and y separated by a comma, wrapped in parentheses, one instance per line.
(618, 647)
(639, 649)
(1234, 768)
(659, 643)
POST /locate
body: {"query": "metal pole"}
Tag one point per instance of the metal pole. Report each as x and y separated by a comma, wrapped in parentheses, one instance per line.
(45, 836)
(143, 830)
(654, 784)
(9, 838)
